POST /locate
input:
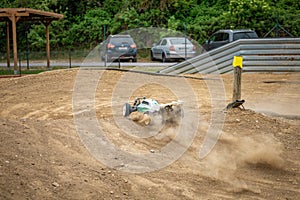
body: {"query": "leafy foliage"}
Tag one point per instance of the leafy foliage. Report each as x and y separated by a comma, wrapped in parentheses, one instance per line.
(84, 20)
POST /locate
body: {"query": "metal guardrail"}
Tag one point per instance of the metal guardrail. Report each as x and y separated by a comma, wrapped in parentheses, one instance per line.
(259, 55)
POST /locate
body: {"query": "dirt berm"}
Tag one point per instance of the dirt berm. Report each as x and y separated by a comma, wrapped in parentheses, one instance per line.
(42, 156)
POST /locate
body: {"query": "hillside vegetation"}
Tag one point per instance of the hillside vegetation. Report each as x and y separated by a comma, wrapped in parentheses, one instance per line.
(84, 20)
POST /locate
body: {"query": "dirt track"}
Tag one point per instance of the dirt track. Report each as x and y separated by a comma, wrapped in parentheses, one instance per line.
(42, 156)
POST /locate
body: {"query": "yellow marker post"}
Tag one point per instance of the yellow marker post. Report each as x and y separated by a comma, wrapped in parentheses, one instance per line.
(237, 61)
(237, 77)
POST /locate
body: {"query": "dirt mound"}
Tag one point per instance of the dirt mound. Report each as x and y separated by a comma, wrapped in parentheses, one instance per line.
(43, 156)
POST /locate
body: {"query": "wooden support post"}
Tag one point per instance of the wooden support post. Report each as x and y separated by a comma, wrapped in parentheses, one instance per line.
(7, 45)
(47, 23)
(237, 77)
(14, 20)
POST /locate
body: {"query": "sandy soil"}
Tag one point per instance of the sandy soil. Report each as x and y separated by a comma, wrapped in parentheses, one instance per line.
(44, 157)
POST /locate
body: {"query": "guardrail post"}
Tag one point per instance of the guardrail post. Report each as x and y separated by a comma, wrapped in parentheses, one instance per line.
(237, 77)
(70, 59)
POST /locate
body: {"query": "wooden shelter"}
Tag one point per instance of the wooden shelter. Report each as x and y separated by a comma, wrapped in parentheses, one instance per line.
(14, 15)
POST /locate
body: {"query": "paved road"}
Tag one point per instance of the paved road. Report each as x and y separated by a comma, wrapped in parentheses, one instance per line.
(91, 64)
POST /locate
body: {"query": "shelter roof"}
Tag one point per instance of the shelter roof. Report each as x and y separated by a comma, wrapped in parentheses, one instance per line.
(28, 14)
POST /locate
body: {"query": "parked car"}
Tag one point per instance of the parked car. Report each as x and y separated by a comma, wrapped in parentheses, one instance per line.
(173, 48)
(223, 37)
(119, 47)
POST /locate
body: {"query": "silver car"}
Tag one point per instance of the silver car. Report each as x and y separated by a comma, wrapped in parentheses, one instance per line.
(173, 48)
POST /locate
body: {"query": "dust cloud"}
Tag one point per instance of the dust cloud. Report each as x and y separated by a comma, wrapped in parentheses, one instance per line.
(140, 118)
(235, 151)
(155, 121)
(267, 152)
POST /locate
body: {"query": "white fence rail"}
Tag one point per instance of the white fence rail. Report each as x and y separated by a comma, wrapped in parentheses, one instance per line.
(259, 55)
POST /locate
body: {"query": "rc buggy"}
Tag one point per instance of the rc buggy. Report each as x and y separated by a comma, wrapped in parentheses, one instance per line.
(168, 112)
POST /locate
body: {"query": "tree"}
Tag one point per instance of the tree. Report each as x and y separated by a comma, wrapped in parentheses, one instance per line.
(89, 31)
(248, 14)
(82, 25)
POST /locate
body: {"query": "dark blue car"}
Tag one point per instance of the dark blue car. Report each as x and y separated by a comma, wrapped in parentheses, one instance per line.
(223, 37)
(120, 47)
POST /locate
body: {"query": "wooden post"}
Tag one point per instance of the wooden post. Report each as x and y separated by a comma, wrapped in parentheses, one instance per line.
(47, 43)
(14, 20)
(237, 77)
(7, 45)
(47, 24)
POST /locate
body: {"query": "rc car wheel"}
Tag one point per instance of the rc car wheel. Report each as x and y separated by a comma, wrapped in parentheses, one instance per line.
(126, 109)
